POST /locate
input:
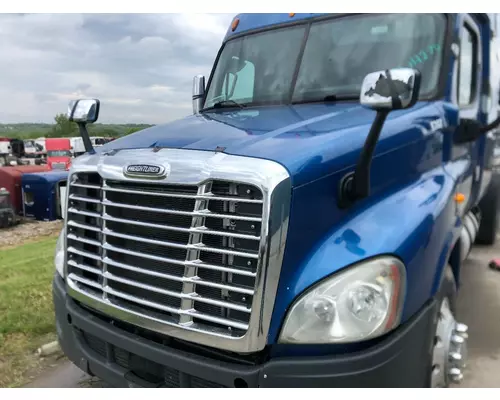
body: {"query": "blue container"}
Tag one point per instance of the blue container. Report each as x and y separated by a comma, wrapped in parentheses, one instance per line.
(41, 194)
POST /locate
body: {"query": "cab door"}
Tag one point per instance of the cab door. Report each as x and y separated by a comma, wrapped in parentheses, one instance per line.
(466, 157)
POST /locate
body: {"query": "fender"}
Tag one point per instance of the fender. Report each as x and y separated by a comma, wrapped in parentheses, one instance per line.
(412, 223)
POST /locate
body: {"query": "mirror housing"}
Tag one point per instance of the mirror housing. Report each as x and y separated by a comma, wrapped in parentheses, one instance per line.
(393, 89)
(84, 111)
(198, 93)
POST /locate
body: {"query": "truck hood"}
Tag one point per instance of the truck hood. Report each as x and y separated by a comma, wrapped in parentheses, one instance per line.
(310, 140)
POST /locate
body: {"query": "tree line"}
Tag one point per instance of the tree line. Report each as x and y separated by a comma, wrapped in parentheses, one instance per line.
(62, 127)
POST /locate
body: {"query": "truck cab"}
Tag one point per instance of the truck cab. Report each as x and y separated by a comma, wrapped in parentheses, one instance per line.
(58, 153)
(305, 227)
(5, 147)
(77, 146)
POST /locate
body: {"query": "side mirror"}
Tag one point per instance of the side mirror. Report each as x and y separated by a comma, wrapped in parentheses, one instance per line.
(84, 111)
(382, 91)
(198, 92)
(393, 89)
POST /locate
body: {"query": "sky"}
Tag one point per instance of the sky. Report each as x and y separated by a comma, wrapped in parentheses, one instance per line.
(140, 66)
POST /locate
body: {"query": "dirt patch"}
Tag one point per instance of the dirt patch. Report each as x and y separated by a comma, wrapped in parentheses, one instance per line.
(27, 231)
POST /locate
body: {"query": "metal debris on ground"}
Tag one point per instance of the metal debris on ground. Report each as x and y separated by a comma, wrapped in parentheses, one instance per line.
(49, 349)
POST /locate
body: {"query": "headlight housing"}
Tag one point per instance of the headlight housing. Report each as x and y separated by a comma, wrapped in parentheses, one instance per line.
(360, 303)
(59, 254)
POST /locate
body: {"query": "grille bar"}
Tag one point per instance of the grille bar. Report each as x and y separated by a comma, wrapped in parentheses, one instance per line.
(107, 246)
(84, 226)
(205, 213)
(86, 199)
(86, 186)
(83, 253)
(201, 229)
(83, 240)
(190, 312)
(185, 255)
(195, 280)
(200, 246)
(184, 196)
(85, 213)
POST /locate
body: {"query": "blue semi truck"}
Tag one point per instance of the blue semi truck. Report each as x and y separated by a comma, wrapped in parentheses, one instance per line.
(306, 226)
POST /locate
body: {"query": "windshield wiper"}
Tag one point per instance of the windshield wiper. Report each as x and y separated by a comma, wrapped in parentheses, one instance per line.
(328, 99)
(224, 104)
(340, 97)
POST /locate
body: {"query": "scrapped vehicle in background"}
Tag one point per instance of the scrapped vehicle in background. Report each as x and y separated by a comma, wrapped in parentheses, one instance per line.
(306, 227)
(7, 215)
(58, 153)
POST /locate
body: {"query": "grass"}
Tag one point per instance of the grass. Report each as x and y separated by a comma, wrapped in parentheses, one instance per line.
(26, 310)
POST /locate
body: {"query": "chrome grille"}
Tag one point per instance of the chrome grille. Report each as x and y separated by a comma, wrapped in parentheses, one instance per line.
(59, 165)
(185, 255)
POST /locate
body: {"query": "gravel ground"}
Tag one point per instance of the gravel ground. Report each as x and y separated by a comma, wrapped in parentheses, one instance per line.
(28, 230)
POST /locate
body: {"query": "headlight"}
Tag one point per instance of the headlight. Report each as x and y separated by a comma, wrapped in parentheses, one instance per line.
(59, 254)
(360, 303)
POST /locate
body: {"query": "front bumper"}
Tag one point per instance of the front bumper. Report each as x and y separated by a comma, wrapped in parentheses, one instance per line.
(126, 360)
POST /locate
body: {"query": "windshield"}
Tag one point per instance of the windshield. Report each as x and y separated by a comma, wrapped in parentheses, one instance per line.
(268, 68)
(58, 153)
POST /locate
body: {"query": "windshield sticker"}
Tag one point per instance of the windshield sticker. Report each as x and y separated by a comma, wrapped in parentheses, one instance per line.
(379, 30)
(424, 55)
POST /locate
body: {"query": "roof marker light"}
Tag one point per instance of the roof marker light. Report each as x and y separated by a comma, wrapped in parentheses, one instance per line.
(235, 23)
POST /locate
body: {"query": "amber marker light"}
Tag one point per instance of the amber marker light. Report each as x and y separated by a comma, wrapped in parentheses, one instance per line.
(235, 23)
(459, 198)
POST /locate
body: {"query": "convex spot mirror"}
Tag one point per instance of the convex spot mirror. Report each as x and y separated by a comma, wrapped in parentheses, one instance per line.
(84, 110)
(393, 89)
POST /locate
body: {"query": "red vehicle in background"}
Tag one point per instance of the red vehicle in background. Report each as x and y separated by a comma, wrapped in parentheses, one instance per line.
(58, 153)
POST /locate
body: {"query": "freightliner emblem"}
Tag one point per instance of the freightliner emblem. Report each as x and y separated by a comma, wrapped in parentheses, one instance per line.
(145, 171)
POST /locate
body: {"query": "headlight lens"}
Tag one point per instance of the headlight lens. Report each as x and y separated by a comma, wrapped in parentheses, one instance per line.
(360, 303)
(59, 254)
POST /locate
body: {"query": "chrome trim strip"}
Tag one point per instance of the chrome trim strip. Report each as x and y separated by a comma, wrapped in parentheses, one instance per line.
(192, 167)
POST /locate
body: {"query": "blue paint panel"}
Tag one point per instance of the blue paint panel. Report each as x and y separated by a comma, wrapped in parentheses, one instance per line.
(411, 222)
(310, 140)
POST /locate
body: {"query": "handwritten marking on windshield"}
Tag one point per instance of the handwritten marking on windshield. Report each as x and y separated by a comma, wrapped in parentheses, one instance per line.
(424, 55)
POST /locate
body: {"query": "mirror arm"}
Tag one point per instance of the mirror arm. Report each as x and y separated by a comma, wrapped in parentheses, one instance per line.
(356, 185)
(469, 130)
(84, 133)
(361, 183)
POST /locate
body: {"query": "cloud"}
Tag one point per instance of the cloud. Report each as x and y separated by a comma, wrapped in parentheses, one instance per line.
(139, 65)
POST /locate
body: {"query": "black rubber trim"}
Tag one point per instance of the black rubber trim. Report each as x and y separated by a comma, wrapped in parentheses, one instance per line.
(400, 360)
